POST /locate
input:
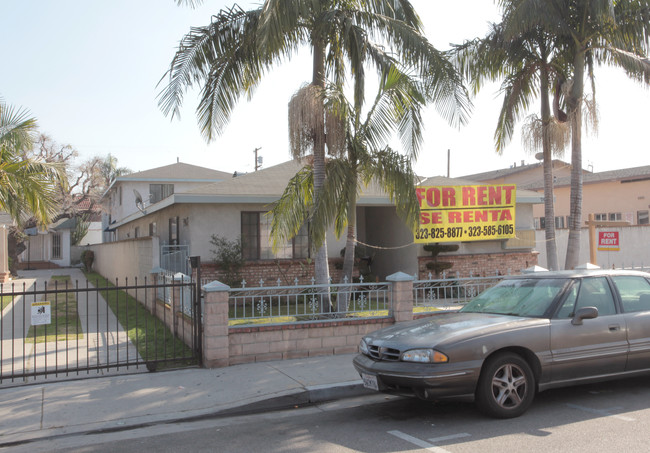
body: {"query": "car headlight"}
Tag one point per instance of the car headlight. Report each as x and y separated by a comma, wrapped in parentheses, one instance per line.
(424, 356)
(363, 347)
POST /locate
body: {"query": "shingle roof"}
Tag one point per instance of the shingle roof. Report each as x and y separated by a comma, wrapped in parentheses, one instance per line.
(625, 175)
(523, 195)
(503, 172)
(177, 171)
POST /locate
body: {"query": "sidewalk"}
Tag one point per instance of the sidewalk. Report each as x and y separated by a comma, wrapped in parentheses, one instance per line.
(117, 402)
(130, 401)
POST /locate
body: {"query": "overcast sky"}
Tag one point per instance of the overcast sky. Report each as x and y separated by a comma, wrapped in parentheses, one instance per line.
(88, 70)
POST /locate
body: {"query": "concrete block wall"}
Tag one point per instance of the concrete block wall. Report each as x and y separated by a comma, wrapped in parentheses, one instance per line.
(224, 345)
(296, 341)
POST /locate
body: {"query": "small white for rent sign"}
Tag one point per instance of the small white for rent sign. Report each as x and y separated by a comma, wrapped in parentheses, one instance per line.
(41, 313)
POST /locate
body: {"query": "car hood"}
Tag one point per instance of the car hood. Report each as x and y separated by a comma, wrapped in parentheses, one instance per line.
(443, 328)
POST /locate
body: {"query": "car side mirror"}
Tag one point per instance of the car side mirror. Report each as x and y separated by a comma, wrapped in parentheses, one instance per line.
(584, 313)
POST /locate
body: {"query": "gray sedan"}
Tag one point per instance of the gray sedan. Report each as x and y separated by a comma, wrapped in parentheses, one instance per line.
(527, 334)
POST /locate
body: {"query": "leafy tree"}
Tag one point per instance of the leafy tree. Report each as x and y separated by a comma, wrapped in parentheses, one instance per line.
(230, 56)
(87, 181)
(612, 32)
(28, 187)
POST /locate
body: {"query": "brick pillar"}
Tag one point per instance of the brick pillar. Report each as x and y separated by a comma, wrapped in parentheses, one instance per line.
(156, 279)
(216, 351)
(4, 255)
(402, 294)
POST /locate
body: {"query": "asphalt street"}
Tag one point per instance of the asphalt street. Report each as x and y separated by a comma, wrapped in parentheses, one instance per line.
(600, 417)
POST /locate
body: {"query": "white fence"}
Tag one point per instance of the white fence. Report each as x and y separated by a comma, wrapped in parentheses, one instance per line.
(634, 247)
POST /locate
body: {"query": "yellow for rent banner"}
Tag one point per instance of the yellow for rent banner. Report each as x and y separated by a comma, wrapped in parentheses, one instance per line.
(466, 213)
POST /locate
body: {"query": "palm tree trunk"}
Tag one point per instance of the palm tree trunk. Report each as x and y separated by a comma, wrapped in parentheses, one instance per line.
(321, 264)
(575, 209)
(549, 210)
(348, 257)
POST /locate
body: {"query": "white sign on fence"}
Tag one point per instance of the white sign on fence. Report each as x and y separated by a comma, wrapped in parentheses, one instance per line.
(41, 313)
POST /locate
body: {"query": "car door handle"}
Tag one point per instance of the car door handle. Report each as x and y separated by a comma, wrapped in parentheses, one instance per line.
(614, 327)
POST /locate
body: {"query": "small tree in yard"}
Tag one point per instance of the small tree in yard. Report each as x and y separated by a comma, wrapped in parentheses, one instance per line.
(228, 255)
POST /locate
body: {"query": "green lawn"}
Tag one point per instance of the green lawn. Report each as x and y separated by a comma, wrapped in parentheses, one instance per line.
(65, 325)
(153, 340)
(297, 310)
(4, 301)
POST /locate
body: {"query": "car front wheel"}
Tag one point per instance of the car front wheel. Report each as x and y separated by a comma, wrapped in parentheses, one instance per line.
(506, 387)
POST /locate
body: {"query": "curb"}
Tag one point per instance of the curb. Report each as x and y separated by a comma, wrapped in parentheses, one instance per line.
(308, 395)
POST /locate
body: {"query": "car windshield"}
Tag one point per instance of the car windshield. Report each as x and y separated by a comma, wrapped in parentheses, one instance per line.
(520, 297)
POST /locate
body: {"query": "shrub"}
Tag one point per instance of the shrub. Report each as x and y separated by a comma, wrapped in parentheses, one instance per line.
(228, 254)
(87, 258)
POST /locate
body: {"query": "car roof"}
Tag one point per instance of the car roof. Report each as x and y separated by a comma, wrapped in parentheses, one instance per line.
(580, 273)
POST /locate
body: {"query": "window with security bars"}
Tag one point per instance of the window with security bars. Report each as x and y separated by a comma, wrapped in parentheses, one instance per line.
(642, 218)
(56, 246)
(256, 239)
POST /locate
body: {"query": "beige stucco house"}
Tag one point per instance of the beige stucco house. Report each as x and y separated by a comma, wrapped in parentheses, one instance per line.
(235, 208)
(610, 195)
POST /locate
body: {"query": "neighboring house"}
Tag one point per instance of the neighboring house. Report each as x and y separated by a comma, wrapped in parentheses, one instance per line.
(54, 246)
(610, 195)
(137, 191)
(235, 208)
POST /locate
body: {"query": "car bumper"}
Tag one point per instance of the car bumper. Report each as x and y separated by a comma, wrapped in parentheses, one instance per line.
(427, 381)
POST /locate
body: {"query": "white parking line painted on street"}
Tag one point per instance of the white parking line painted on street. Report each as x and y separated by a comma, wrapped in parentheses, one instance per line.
(418, 442)
(603, 412)
(450, 437)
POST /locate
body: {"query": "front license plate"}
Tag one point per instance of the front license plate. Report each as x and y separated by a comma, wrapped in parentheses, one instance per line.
(370, 381)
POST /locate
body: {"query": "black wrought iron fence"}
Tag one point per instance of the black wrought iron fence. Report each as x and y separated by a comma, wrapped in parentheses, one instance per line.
(60, 328)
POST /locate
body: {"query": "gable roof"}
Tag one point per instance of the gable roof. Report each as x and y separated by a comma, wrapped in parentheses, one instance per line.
(523, 195)
(504, 172)
(623, 175)
(178, 171)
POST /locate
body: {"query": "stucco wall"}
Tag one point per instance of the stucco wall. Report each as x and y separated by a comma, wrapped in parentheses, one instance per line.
(198, 222)
(126, 259)
(634, 247)
(607, 197)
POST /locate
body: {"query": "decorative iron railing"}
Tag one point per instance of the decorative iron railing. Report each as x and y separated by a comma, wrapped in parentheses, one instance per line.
(448, 293)
(288, 304)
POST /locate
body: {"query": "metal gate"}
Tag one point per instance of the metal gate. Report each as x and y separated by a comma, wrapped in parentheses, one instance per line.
(57, 328)
(175, 258)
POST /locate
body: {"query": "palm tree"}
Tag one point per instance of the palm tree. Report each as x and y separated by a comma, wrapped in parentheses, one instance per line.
(396, 108)
(528, 64)
(27, 187)
(613, 32)
(229, 57)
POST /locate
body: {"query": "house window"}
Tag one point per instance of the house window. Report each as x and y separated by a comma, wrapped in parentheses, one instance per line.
(56, 246)
(152, 229)
(600, 217)
(559, 222)
(159, 192)
(615, 216)
(137, 232)
(642, 218)
(120, 195)
(173, 231)
(542, 223)
(256, 239)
